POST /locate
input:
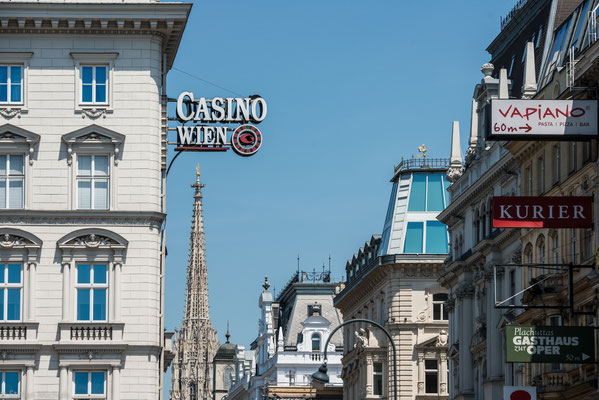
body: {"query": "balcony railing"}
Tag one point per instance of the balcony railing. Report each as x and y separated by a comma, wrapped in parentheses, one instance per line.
(90, 332)
(10, 331)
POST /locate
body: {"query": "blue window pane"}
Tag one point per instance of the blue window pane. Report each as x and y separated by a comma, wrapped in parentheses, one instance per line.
(101, 94)
(3, 74)
(99, 304)
(100, 75)
(413, 242)
(417, 193)
(15, 93)
(4, 93)
(87, 74)
(1, 304)
(100, 273)
(436, 237)
(97, 383)
(11, 383)
(83, 273)
(86, 95)
(14, 273)
(15, 74)
(83, 305)
(446, 185)
(434, 201)
(81, 383)
(2, 266)
(13, 306)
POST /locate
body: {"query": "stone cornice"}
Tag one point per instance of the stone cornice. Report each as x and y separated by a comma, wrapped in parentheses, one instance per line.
(81, 217)
(166, 20)
(482, 184)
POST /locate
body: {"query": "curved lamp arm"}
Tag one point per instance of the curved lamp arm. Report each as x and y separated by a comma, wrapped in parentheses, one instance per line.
(381, 327)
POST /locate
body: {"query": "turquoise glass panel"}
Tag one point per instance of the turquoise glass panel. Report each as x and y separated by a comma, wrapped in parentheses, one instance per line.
(86, 95)
(446, 185)
(413, 242)
(388, 221)
(434, 201)
(99, 305)
(11, 383)
(83, 304)
(13, 304)
(100, 75)
(417, 193)
(80, 382)
(3, 74)
(436, 237)
(100, 273)
(2, 266)
(1, 304)
(83, 273)
(3, 93)
(97, 383)
(14, 273)
(87, 74)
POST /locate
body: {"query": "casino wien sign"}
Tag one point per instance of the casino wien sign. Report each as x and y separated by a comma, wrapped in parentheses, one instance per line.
(206, 123)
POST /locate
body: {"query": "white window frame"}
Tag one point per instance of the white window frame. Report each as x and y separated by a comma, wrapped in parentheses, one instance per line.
(94, 86)
(9, 83)
(92, 286)
(94, 59)
(90, 396)
(428, 371)
(7, 179)
(382, 375)
(312, 337)
(11, 109)
(6, 286)
(92, 179)
(3, 388)
(438, 302)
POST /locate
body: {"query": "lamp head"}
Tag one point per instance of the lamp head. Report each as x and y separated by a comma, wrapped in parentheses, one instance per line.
(320, 378)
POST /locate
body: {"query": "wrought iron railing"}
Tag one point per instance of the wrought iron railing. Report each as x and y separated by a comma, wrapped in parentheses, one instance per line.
(422, 163)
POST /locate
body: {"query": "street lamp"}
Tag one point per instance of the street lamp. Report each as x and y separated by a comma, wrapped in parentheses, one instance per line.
(320, 378)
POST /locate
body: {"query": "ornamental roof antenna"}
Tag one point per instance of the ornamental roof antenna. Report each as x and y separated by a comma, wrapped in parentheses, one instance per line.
(455, 161)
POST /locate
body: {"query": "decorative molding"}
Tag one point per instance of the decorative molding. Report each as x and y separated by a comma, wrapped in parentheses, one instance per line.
(93, 113)
(93, 135)
(10, 112)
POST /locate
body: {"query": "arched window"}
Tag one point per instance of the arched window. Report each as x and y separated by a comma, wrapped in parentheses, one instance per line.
(228, 378)
(316, 342)
(528, 254)
(483, 219)
(554, 248)
(541, 252)
(475, 227)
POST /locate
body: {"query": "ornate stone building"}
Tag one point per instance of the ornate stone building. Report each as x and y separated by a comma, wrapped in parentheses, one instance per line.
(392, 280)
(293, 329)
(82, 169)
(196, 344)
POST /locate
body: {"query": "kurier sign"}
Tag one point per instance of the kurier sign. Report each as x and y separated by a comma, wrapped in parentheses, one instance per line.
(542, 212)
(212, 117)
(550, 344)
(543, 119)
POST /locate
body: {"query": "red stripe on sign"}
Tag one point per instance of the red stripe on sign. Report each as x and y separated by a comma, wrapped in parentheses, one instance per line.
(542, 212)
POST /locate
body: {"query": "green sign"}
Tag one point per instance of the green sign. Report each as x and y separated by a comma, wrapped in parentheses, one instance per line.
(550, 344)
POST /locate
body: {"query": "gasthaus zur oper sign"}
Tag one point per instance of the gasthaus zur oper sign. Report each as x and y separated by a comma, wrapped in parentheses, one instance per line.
(543, 119)
(212, 118)
(550, 344)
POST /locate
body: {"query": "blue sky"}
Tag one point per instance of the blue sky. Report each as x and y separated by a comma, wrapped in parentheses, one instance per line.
(351, 88)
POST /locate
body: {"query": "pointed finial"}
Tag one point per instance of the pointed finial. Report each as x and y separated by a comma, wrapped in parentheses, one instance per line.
(266, 284)
(227, 335)
(529, 84)
(503, 84)
(455, 163)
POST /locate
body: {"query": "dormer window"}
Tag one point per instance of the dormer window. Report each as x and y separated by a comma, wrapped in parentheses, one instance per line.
(316, 342)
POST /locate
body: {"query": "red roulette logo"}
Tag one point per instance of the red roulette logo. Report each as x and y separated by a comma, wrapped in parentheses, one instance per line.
(246, 140)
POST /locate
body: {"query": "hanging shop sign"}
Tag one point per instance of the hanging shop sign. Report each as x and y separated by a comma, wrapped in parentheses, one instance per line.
(542, 119)
(519, 393)
(542, 212)
(550, 344)
(206, 123)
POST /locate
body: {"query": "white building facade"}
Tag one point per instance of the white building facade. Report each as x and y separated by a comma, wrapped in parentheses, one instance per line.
(82, 162)
(293, 330)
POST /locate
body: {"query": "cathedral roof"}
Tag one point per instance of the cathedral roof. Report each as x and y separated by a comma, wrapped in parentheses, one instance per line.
(225, 352)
